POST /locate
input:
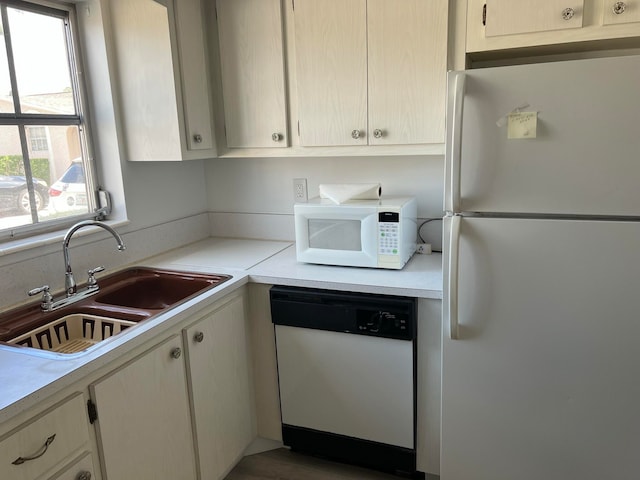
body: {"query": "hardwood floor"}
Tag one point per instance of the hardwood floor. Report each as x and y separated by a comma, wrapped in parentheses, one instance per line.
(282, 464)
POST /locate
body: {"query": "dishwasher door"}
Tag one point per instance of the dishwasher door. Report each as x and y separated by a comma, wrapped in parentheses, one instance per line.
(346, 370)
(353, 385)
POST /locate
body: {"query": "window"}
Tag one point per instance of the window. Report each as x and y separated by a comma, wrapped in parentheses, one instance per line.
(43, 131)
(38, 139)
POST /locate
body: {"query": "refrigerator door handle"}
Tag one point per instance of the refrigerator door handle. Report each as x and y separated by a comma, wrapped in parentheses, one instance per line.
(455, 148)
(454, 253)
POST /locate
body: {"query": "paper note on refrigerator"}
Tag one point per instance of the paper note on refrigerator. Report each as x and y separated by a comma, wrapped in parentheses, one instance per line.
(522, 125)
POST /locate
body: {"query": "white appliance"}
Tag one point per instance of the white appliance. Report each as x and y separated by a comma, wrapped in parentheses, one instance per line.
(346, 375)
(360, 233)
(541, 355)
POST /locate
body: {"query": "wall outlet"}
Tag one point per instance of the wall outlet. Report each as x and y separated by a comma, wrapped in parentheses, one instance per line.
(300, 190)
(424, 248)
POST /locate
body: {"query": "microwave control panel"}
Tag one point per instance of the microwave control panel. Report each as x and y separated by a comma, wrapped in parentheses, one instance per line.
(388, 233)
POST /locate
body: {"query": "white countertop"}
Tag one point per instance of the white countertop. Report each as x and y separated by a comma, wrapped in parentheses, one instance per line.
(26, 379)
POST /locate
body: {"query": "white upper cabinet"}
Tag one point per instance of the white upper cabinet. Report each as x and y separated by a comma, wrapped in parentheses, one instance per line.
(506, 17)
(407, 63)
(252, 72)
(162, 74)
(370, 72)
(551, 26)
(621, 12)
(331, 71)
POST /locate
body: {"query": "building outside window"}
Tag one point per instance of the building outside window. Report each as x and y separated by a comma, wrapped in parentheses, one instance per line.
(43, 128)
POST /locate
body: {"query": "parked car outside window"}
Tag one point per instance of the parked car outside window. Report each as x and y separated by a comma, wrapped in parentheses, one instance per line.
(14, 194)
(69, 193)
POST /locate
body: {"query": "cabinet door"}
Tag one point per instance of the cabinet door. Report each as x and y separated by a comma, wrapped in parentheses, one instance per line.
(331, 71)
(616, 12)
(506, 17)
(144, 423)
(163, 83)
(221, 388)
(407, 60)
(193, 73)
(252, 64)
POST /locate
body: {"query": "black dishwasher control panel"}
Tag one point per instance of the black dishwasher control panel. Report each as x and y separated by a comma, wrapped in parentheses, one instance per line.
(358, 313)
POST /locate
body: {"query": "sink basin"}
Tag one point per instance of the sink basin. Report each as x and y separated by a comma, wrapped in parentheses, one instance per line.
(125, 298)
(152, 289)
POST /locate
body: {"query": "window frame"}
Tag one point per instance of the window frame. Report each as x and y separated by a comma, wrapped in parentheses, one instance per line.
(67, 13)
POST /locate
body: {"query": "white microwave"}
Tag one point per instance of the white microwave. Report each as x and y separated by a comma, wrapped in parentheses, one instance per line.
(360, 233)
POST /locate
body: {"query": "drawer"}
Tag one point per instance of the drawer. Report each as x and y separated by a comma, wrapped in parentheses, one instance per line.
(81, 469)
(67, 421)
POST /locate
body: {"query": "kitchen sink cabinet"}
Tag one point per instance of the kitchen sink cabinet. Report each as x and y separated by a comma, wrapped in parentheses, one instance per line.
(160, 64)
(550, 26)
(250, 35)
(370, 72)
(144, 424)
(221, 388)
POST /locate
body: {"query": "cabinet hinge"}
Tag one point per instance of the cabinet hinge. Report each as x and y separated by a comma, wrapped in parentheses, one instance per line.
(298, 127)
(484, 15)
(92, 411)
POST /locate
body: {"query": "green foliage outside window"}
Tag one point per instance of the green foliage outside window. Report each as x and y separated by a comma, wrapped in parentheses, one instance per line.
(12, 165)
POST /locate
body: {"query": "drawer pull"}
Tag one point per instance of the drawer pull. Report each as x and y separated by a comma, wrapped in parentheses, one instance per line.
(38, 454)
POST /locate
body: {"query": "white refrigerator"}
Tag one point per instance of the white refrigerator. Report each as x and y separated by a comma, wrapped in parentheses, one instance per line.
(541, 304)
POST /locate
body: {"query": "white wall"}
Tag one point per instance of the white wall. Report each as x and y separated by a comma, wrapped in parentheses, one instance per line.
(261, 189)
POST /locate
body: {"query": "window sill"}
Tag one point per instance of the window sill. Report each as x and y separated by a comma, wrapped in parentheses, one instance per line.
(45, 243)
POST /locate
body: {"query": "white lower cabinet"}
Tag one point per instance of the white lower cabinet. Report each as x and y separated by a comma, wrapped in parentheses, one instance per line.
(47, 443)
(221, 388)
(144, 424)
(184, 409)
(81, 469)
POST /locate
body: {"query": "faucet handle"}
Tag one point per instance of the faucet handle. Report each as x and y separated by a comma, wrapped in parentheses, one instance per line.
(92, 282)
(47, 298)
(36, 291)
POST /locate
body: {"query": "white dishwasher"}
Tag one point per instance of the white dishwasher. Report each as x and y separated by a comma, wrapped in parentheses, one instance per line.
(346, 371)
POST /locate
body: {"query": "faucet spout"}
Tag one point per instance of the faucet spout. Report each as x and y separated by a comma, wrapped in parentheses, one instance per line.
(69, 282)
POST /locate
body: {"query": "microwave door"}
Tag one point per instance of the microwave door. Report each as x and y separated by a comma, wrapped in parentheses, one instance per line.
(349, 238)
(335, 234)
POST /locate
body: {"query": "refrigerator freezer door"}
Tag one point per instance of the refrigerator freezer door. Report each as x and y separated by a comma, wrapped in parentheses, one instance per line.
(585, 157)
(543, 380)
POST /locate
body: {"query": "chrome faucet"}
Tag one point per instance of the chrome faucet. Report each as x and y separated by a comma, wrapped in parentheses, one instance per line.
(71, 289)
(69, 282)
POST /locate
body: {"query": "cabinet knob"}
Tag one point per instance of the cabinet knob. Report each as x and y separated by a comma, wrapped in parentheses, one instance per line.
(568, 13)
(197, 138)
(198, 337)
(84, 476)
(176, 352)
(378, 133)
(619, 8)
(355, 134)
(276, 137)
